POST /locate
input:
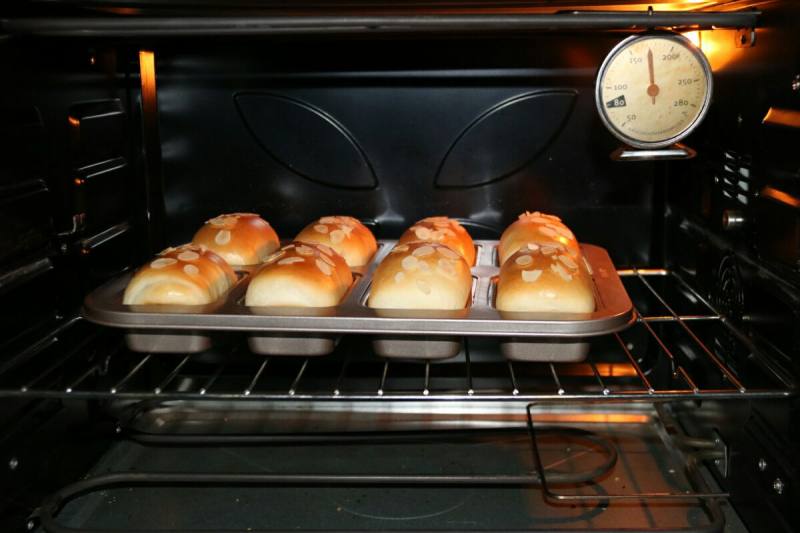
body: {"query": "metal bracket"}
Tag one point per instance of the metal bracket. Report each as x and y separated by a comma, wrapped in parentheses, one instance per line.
(745, 37)
(676, 151)
(78, 223)
(722, 463)
(548, 493)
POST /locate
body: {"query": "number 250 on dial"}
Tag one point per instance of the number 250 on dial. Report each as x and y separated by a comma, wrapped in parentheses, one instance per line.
(653, 89)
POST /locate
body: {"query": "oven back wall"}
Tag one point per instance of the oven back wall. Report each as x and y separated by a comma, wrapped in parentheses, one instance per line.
(395, 130)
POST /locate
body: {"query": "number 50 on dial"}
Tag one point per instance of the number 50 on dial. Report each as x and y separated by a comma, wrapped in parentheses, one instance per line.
(653, 89)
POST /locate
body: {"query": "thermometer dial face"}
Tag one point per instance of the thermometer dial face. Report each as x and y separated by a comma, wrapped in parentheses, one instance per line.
(653, 90)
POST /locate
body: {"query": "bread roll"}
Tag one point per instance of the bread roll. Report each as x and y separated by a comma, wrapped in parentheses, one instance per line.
(239, 238)
(186, 275)
(349, 237)
(445, 231)
(544, 279)
(421, 275)
(300, 275)
(537, 228)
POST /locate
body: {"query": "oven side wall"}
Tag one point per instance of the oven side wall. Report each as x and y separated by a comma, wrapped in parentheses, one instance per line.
(71, 216)
(733, 230)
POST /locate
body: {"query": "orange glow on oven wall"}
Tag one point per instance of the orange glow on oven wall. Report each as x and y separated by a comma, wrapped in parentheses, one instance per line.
(606, 370)
(719, 46)
(591, 418)
(675, 5)
(147, 71)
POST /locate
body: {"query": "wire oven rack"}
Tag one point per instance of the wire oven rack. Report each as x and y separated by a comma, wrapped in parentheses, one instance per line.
(679, 348)
(608, 457)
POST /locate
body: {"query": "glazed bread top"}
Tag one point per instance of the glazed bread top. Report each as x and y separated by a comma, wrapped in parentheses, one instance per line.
(239, 238)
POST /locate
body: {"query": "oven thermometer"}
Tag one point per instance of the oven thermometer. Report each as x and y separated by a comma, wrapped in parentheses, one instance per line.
(653, 89)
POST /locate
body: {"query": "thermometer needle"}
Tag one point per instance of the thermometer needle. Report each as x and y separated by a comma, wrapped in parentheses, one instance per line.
(652, 89)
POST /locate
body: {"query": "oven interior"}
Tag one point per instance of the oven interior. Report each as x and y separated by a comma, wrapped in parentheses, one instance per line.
(126, 124)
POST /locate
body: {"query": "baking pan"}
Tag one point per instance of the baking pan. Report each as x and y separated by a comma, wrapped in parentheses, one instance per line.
(550, 350)
(174, 340)
(305, 344)
(168, 341)
(421, 347)
(614, 312)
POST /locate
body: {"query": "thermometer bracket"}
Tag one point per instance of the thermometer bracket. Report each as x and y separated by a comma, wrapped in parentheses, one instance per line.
(677, 151)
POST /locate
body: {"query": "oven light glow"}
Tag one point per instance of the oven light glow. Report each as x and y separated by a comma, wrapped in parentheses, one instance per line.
(147, 71)
(717, 45)
(695, 37)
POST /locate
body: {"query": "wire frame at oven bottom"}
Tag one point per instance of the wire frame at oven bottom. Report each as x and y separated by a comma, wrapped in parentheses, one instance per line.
(679, 348)
(449, 480)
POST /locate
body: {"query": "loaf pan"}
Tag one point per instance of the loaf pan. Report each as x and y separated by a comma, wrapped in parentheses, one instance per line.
(614, 312)
(306, 344)
(167, 340)
(420, 347)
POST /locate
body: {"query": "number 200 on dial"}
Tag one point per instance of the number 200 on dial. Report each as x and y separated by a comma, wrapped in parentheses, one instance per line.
(653, 90)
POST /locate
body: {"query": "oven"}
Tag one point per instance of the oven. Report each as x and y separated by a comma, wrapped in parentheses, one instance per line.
(126, 124)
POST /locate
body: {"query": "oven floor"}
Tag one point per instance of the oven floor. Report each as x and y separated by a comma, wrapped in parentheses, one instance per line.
(645, 463)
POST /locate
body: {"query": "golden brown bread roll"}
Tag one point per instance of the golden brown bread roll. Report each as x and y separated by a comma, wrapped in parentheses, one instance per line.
(349, 237)
(421, 275)
(544, 279)
(300, 275)
(186, 275)
(443, 230)
(239, 238)
(537, 228)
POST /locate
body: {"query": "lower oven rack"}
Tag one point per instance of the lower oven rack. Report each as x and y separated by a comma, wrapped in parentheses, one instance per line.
(47, 515)
(674, 351)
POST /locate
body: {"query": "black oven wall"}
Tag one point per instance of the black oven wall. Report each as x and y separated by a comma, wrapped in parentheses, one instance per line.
(393, 130)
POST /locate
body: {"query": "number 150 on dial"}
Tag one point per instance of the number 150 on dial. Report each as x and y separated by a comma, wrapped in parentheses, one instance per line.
(653, 89)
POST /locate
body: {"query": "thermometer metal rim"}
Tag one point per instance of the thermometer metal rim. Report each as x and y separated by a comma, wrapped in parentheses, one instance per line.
(622, 45)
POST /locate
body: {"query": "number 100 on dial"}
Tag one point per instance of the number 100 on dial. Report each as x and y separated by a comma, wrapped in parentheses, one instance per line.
(653, 89)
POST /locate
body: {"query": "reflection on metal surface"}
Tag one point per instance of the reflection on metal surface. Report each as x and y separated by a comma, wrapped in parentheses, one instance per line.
(249, 417)
(676, 151)
(732, 219)
(610, 370)
(603, 369)
(592, 418)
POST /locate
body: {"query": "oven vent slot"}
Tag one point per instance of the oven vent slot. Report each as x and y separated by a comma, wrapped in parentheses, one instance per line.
(734, 177)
